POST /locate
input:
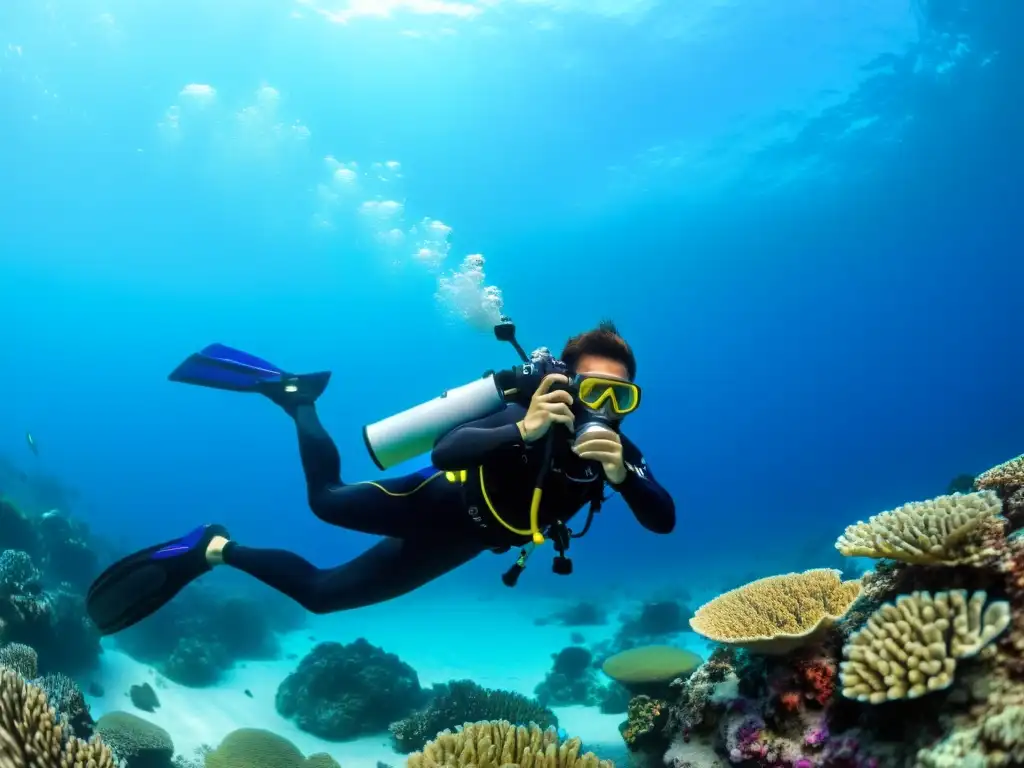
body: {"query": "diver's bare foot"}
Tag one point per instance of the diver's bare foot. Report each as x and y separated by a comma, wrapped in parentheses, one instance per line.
(215, 550)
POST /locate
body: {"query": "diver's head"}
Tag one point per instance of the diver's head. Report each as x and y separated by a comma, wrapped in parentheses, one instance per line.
(601, 351)
(603, 367)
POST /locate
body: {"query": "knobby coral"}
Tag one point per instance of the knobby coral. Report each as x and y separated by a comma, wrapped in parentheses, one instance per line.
(947, 530)
(911, 648)
(30, 736)
(499, 744)
(778, 614)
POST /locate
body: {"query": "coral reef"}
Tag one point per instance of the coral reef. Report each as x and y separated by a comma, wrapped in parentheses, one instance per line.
(911, 648)
(463, 701)
(31, 735)
(572, 680)
(942, 531)
(644, 718)
(257, 748)
(918, 664)
(777, 614)
(340, 692)
(499, 744)
(650, 665)
(46, 563)
(137, 742)
(201, 634)
(20, 658)
(67, 700)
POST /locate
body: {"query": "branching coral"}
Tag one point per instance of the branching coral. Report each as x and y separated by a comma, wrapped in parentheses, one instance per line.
(948, 530)
(1009, 474)
(462, 701)
(30, 736)
(67, 700)
(998, 741)
(911, 648)
(20, 658)
(495, 744)
(17, 572)
(778, 614)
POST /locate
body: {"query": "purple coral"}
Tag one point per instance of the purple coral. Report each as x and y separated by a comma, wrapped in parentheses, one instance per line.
(816, 734)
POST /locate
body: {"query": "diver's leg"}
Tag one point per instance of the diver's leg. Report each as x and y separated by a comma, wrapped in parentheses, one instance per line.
(387, 570)
(321, 462)
(391, 507)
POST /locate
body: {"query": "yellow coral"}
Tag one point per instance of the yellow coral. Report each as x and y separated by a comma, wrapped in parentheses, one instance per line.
(947, 530)
(778, 614)
(30, 737)
(499, 744)
(911, 648)
(996, 742)
(1009, 474)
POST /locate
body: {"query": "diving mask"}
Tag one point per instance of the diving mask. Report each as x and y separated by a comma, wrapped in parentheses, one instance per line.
(601, 402)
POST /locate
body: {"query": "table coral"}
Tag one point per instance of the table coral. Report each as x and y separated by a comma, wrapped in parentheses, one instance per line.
(777, 614)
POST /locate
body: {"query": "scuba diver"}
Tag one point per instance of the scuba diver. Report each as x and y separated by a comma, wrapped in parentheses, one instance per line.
(515, 456)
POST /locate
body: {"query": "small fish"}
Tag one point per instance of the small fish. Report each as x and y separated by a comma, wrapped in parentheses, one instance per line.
(248, 693)
(31, 443)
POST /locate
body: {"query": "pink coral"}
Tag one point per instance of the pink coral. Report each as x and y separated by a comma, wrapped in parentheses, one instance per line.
(816, 735)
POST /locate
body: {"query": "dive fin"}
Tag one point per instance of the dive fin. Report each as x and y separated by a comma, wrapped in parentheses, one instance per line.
(139, 585)
(222, 367)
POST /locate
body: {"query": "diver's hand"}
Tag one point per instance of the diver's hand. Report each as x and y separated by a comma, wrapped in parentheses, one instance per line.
(604, 446)
(547, 408)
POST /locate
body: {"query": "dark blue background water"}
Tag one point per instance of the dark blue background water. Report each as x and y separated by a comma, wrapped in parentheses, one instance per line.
(807, 221)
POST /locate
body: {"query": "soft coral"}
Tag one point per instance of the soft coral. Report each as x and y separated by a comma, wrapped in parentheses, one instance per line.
(818, 678)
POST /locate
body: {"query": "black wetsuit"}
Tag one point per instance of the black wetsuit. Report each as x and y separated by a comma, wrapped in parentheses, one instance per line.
(438, 519)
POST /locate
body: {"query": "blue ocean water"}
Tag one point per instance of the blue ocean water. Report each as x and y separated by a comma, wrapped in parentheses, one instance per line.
(805, 217)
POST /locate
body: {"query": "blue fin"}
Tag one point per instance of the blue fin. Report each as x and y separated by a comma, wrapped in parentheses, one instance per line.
(141, 583)
(221, 367)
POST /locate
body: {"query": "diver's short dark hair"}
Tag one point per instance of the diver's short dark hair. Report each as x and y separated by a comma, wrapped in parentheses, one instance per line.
(603, 341)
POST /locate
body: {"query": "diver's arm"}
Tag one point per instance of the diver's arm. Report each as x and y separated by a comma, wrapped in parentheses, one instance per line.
(649, 502)
(480, 441)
